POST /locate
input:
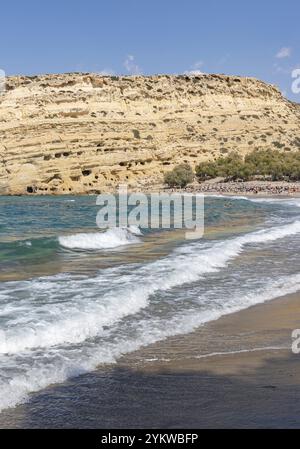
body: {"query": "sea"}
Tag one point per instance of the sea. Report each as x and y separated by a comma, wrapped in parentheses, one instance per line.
(74, 298)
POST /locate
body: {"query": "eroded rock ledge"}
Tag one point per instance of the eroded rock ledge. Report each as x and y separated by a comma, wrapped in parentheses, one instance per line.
(85, 133)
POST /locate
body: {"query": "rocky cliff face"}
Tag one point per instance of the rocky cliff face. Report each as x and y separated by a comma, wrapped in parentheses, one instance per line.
(84, 133)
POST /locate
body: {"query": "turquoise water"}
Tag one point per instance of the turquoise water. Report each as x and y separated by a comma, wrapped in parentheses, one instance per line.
(73, 298)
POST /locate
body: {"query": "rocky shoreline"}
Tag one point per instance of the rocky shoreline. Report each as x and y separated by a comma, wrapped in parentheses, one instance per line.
(255, 188)
(243, 188)
(264, 188)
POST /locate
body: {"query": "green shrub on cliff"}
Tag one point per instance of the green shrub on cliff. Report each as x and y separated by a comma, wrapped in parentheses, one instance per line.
(229, 166)
(262, 164)
(206, 170)
(180, 176)
(274, 165)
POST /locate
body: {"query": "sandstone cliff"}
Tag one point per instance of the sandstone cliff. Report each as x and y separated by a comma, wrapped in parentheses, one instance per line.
(76, 133)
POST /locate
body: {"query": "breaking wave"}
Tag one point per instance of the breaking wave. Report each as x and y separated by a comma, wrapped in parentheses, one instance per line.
(56, 327)
(112, 238)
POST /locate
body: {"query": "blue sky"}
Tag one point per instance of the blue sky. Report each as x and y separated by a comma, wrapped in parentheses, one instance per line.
(253, 38)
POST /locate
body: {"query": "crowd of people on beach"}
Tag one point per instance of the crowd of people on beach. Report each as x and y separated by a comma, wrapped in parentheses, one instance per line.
(271, 188)
(239, 188)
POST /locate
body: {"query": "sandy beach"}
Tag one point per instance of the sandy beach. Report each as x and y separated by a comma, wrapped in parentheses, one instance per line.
(238, 371)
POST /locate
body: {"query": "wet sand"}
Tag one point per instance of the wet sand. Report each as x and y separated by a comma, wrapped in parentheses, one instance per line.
(236, 372)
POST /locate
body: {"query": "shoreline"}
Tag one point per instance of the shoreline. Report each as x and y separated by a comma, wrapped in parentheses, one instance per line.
(212, 187)
(238, 371)
(259, 331)
(251, 188)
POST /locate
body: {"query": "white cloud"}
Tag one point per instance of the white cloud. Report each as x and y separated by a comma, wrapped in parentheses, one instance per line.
(198, 64)
(131, 66)
(106, 72)
(193, 72)
(195, 69)
(284, 52)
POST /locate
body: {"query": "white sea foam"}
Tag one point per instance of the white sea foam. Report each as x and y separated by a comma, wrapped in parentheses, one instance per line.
(67, 310)
(25, 243)
(267, 200)
(226, 197)
(112, 238)
(40, 370)
(67, 322)
(136, 230)
(242, 351)
(51, 325)
(282, 201)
